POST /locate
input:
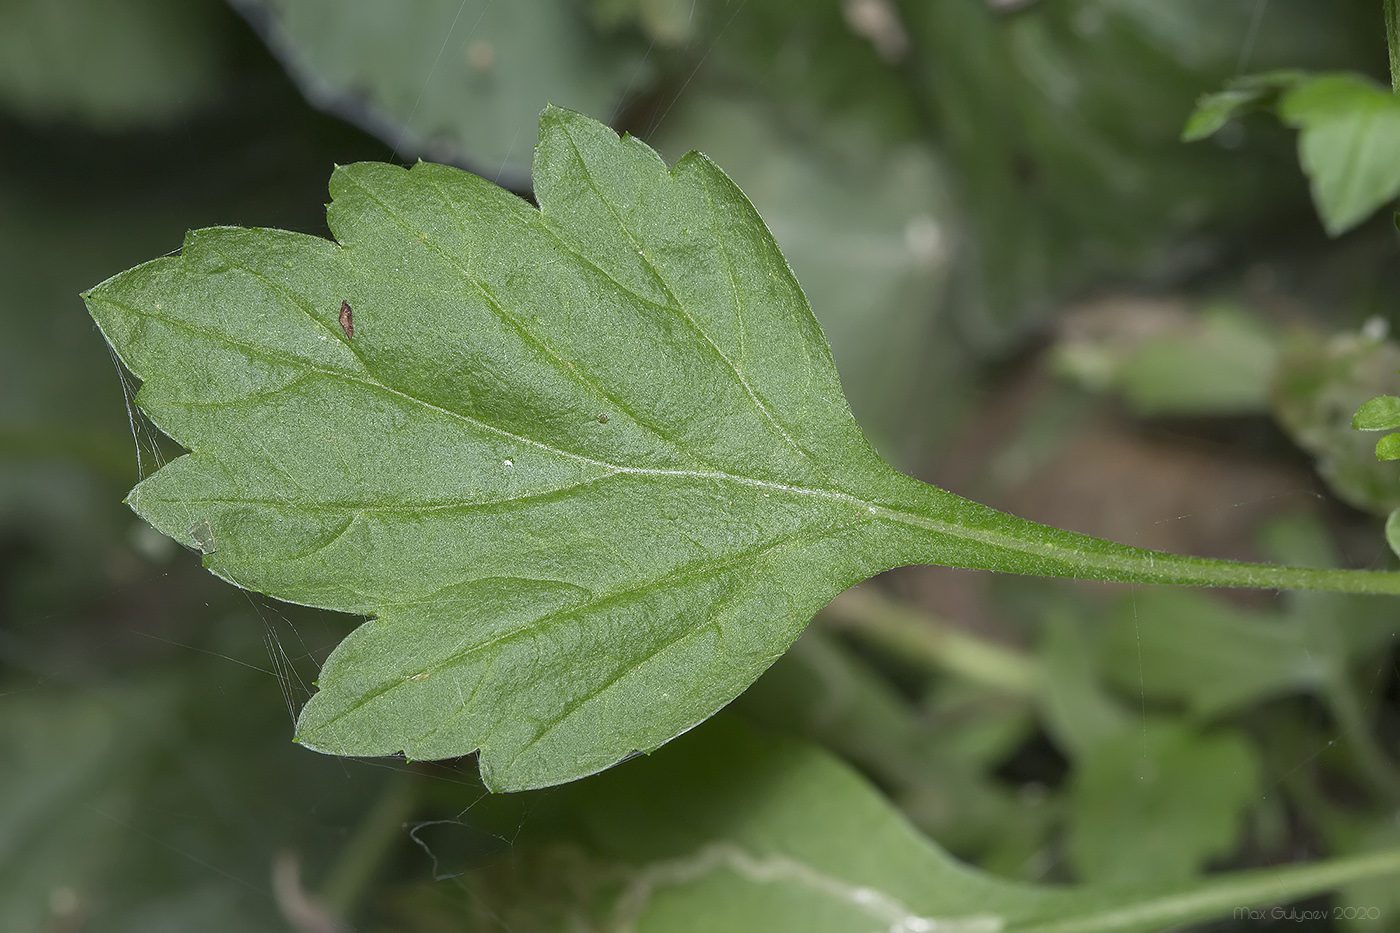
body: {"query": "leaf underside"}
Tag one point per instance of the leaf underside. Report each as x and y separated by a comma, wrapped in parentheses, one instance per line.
(587, 467)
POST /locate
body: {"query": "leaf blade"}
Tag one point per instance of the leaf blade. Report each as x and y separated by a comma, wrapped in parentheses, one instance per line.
(1381, 413)
(1348, 128)
(588, 467)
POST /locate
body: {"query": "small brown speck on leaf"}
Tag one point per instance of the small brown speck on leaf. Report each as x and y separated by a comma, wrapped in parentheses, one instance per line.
(347, 321)
(603, 418)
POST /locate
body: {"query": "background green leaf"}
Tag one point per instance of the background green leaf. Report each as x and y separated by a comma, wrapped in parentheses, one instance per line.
(1071, 170)
(1320, 384)
(1170, 362)
(749, 832)
(1185, 646)
(162, 805)
(1242, 95)
(112, 65)
(1157, 802)
(1381, 413)
(448, 80)
(1348, 130)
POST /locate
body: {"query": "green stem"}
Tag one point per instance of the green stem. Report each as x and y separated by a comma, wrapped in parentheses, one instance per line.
(1392, 41)
(362, 856)
(925, 640)
(946, 529)
(1244, 890)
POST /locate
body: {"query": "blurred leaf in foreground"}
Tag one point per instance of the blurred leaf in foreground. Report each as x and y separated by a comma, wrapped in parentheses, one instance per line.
(452, 81)
(66, 789)
(728, 829)
(161, 805)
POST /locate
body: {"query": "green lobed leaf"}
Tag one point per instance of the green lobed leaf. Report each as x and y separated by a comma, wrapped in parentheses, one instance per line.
(587, 466)
(1349, 131)
(1388, 447)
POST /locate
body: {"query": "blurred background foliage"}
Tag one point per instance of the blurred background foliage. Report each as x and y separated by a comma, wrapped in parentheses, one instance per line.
(1036, 296)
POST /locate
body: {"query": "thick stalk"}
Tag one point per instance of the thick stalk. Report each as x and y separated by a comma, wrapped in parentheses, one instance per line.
(921, 639)
(947, 529)
(376, 835)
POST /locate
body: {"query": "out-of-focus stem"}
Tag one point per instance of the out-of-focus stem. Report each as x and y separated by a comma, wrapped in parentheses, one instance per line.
(924, 639)
(1379, 770)
(376, 834)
